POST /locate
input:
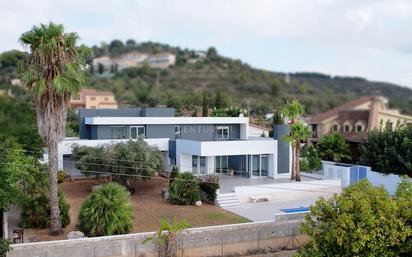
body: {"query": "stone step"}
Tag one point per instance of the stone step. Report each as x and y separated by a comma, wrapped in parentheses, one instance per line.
(226, 200)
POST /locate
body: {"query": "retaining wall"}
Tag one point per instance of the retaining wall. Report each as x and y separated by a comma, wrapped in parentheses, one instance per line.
(208, 241)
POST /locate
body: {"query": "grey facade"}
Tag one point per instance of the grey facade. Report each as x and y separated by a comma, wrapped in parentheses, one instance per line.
(102, 132)
(279, 131)
(199, 132)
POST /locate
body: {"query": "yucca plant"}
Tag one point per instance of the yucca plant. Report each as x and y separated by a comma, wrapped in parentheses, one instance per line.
(107, 212)
(53, 72)
(165, 238)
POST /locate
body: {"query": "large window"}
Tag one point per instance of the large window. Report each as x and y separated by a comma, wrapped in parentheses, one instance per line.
(221, 164)
(118, 132)
(198, 164)
(222, 132)
(256, 165)
(202, 165)
(264, 165)
(195, 164)
(137, 132)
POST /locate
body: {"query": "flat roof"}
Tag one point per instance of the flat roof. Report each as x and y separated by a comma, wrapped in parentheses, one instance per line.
(164, 120)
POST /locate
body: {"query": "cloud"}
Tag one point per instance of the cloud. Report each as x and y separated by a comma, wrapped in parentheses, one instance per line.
(373, 30)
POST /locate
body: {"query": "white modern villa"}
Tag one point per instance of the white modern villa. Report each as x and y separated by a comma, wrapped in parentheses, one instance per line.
(201, 145)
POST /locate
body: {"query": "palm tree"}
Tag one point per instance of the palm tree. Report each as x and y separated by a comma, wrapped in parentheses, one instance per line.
(165, 237)
(333, 147)
(53, 72)
(293, 111)
(298, 132)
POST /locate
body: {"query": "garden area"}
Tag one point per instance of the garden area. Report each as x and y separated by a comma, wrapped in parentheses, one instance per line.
(148, 208)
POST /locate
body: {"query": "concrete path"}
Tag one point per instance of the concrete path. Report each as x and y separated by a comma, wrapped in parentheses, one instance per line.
(266, 211)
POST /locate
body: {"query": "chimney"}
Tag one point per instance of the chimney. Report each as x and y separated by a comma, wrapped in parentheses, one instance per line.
(376, 104)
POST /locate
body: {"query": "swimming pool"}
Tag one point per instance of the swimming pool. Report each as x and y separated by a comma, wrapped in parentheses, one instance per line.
(294, 210)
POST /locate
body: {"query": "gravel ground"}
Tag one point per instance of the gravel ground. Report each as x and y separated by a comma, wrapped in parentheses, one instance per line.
(148, 207)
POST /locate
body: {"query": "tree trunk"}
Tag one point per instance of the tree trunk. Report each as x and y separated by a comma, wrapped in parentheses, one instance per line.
(292, 174)
(298, 161)
(55, 222)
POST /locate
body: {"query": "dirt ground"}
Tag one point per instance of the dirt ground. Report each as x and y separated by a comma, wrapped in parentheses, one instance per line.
(148, 207)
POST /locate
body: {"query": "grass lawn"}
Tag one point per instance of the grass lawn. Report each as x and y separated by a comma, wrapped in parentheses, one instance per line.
(148, 207)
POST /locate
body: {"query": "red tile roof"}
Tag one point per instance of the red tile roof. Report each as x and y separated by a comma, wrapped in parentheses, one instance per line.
(333, 112)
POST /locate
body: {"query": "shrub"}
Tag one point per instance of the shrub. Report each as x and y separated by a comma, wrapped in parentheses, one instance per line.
(61, 175)
(304, 165)
(4, 247)
(209, 185)
(174, 173)
(361, 221)
(36, 211)
(107, 212)
(311, 161)
(184, 190)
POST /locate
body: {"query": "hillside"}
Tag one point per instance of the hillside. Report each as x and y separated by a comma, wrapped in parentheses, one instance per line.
(222, 81)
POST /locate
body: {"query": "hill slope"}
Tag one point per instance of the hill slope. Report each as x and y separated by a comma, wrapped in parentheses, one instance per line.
(223, 81)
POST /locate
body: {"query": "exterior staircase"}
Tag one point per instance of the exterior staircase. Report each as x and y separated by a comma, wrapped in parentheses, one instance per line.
(227, 200)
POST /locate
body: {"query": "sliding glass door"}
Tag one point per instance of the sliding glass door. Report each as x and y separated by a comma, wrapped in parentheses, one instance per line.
(256, 165)
(264, 165)
(221, 164)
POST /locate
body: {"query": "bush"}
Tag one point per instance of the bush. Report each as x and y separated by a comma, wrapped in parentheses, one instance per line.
(61, 175)
(4, 247)
(209, 185)
(361, 221)
(311, 161)
(184, 190)
(174, 173)
(36, 211)
(304, 165)
(107, 212)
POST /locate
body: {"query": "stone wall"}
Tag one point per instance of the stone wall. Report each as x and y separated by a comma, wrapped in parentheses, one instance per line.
(208, 241)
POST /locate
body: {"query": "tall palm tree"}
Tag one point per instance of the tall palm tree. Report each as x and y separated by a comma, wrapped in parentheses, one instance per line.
(292, 111)
(53, 72)
(298, 132)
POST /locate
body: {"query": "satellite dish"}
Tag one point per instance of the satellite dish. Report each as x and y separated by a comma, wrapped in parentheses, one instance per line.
(241, 115)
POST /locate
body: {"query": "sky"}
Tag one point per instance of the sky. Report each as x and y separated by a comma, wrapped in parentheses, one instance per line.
(366, 38)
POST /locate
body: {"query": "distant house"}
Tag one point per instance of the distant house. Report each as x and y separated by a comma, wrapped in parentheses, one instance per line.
(162, 60)
(93, 99)
(353, 119)
(106, 61)
(256, 130)
(135, 59)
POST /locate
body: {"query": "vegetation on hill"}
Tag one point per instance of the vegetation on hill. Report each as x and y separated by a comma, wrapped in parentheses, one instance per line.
(215, 80)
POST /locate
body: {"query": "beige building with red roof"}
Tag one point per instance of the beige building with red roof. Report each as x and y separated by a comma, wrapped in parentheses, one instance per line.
(93, 99)
(355, 118)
